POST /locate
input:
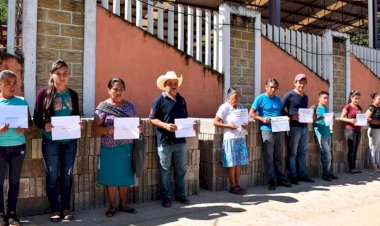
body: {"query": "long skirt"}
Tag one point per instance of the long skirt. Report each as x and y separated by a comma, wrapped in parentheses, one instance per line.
(234, 152)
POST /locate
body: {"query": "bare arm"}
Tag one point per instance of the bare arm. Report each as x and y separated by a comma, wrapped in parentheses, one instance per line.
(218, 122)
(343, 117)
(168, 126)
(254, 115)
(99, 129)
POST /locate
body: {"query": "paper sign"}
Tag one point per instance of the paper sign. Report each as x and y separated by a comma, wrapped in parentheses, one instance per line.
(305, 115)
(329, 119)
(239, 117)
(15, 116)
(279, 124)
(184, 127)
(126, 128)
(361, 120)
(65, 127)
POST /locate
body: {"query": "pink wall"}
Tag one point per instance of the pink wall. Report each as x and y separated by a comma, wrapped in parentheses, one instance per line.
(363, 80)
(277, 64)
(11, 63)
(126, 51)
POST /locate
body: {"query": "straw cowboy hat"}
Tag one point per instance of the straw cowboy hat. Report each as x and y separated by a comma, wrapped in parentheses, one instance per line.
(169, 75)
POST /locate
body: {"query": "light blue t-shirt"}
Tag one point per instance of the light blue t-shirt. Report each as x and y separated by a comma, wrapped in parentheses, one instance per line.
(267, 107)
(11, 138)
(320, 128)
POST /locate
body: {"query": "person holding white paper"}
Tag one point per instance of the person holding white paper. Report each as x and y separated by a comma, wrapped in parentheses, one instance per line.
(234, 149)
(298, 136)
(115, 169)
(323, 136)
(373, 113)
(352, 132)
(12, 148)
(57, 99)
(265, 106)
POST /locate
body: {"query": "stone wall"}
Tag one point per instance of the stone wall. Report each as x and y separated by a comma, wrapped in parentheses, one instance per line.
(214, 177)
(60, 32)
(86, 193)
(242, 57)
(339, 73)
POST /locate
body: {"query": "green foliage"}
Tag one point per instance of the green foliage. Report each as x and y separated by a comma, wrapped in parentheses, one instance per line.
(3, 12)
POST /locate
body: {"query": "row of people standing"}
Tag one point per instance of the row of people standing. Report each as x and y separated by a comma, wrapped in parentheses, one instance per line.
(267, 105)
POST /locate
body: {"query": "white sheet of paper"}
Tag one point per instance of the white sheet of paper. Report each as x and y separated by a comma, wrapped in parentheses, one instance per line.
(280, 123)
(184, 127)
(329, 119)
(240, 117)
(15, 116)
(126, 128)
(361, 120)
(65, 127)
(305, 115)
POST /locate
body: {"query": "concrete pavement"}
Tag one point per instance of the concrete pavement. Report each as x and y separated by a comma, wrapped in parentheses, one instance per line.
(350, 200)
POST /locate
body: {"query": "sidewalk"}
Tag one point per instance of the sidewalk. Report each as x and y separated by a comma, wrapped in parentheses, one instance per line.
(350, 200)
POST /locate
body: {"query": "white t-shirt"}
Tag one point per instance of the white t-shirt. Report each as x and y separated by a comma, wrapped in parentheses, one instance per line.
(224, 113)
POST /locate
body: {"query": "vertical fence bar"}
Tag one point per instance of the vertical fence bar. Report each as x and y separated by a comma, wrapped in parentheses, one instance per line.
(216, 41)
(299, 46)
(171, 24)
(208, 38)
(150, 17)
(264, 30)
(181, 30)
(319, 56)
(160, 21)
(287, 40)
(293, 40)
(276, 34)
(309, 52)
(105, 4)
(116, 7)
(282, 38)
(190, 31)
(139, 9)
(270, 32)
(324, 57)
(199, 34)
(11, 27)
(314, 54)
(304, 48)
(128, 10)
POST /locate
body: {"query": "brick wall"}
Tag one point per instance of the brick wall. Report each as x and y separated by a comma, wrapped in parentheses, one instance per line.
(339, 72)
(242, 57)
(214, 177)
(86, 193)
(60, 31)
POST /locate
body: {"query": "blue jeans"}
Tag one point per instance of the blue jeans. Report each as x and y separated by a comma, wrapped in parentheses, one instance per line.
(353, 140)
(59, 159)
(165, 154)
(325, 147)
(272, 155)
(297, 150)
(13, 156)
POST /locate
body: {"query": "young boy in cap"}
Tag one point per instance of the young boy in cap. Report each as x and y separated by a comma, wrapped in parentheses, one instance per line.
(298, 136)
(166, 107)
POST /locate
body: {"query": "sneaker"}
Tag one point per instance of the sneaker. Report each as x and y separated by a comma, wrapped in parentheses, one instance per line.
(332, 176)
(166, 202)
(272, 185)
(12, 220)
(2, 220)
(306, 179)
(283, 183)
(326, 177)
(293, 180)
(182, 199)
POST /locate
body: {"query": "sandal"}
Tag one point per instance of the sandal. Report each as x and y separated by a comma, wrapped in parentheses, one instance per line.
(128, 209)
(67, 215)
(55, 217)
(110, 212)
(237, 190)
(242, 190)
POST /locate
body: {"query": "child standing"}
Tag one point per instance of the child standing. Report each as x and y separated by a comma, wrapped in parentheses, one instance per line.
(12, 149)
(323, 135)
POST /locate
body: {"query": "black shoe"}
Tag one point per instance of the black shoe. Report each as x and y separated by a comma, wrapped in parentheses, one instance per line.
(306, 179)
(13, 220)
(283, 183)
(332, 176)
(293, 180)
(354, 171)
(272, 185)
(326, 177)
(182, 199)
(166, 202)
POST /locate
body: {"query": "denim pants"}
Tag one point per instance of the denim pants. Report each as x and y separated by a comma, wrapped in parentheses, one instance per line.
(353, 140)
(13, 156)
(165, 155)
(297, 150)
(325, 147)
(273, 155)
(59, 159)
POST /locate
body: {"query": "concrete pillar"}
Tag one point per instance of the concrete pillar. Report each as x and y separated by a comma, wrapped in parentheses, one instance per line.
(275, 12)
(373, 33)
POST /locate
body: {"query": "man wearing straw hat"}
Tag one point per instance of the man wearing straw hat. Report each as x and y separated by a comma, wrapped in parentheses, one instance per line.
(166, 107)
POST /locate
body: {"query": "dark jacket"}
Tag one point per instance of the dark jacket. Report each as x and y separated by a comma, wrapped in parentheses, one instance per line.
(39, 117)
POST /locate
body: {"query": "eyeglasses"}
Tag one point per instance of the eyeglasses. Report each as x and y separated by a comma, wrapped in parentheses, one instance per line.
(66, 74)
